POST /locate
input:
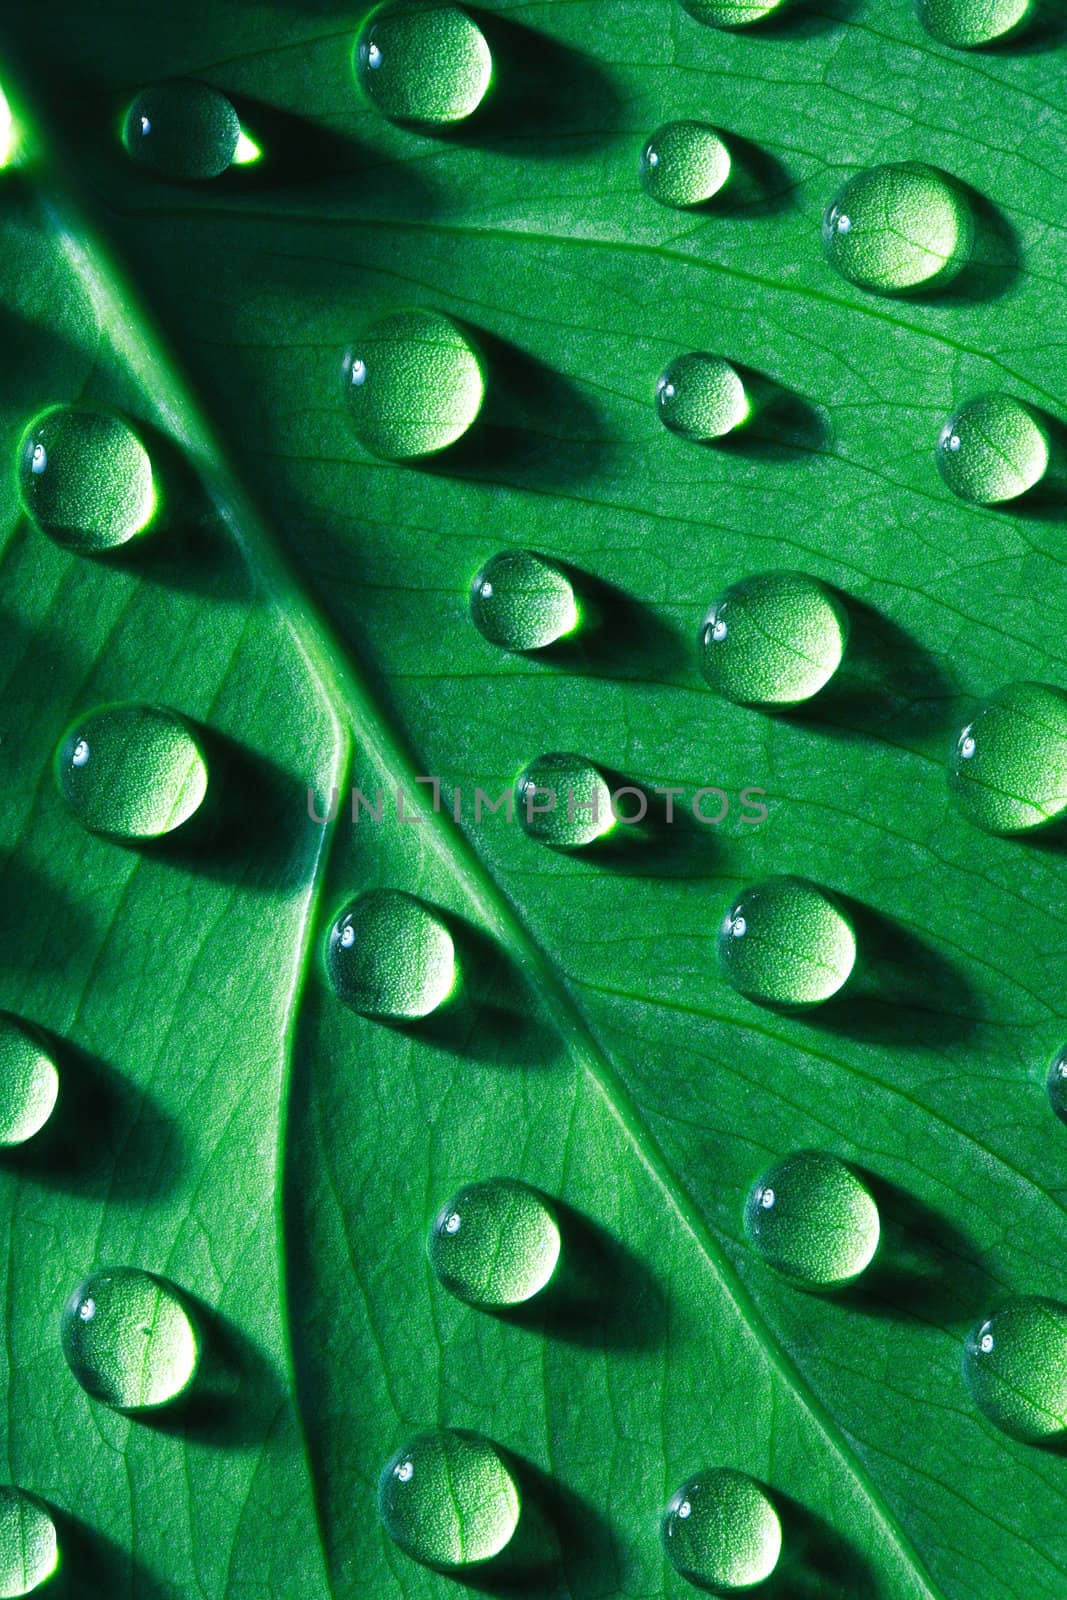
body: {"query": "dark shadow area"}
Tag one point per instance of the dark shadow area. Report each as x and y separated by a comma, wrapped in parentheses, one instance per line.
(1044, 29)
(758, 186)
(926, 1267)
(996, 256)
(818, 1561)
(561, 1538)
(93, 1565)
(781, 427)
(662, 838)
(619, 636)
(34, 903)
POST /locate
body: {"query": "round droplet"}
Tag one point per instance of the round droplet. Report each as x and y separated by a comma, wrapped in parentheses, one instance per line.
(992, 449)
(969, 23)
(523, 602)
(29, 1550)
(563, 800)
(721, 1530)
(786, 942)
(1056, 1083)
(901, 227)
(183, 130)
(813, 1219)
(1015, 1365)
(684, 164)
(732, 13)
(449, 1499)
(701, 397)
(1008, 766)
(29, 1081)
(389, 956)
(85, 478)
(774, 639)
(414, 383)
(129, 1340)
(131, 771)
(423, 62)
(495, 1243)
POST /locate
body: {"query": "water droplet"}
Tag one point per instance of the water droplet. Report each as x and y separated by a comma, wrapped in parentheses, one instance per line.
(423, 63)
(449, 1499)
(85, 478)
(495, 1243)
(820, 1228)
(732, 13)
(1008, 766)
(684, 164)
(798, 946)
(29, 1550)
(1015, 1366)
(1056, 1084)
(992, 449)
(701, 397)
(774, 639)
(187, 131)
(721, 1530)
(29, 1081)
(563, 800)
(132, 771)
(415, 384)
(389, 956)
(129, 1339)
(901, 227)
(967, 23)
(523, 601)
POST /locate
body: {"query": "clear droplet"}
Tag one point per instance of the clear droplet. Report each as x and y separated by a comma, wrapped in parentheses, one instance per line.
(414, 384)
(495, 1243)
(29, 1081)
(389, 956)
(900, 227)
(813, 1219)
(1056, 1084)
(132, 771)
(1008, 766)
(29, 1549)
(1015, 1366)
(562, 799)
(786, 942)
(969, 23)
(774, 639)
(721, 1530)
(449, 1499)
(701, 397)
(684, 164)
(732, 13)
(425, 63)
(523, 601)
(994, 448)
(85, 478)
(129, 1339)
(184, 130)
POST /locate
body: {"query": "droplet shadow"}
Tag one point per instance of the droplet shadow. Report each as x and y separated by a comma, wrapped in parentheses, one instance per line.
(783, 425)
(92, 1565)
(926, 1267)
(818, 1561)
(759, 184)
(619, 636)
(995, 262)
(38, 914)
(561, 1538)
(663, 839)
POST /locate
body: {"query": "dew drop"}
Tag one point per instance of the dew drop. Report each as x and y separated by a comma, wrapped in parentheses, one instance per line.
(426, 63)
(970, 23)
(29, 1080)
(85, 478)
(562, 800)
(1008, 766)
(798, 946)
(449, 1499)
(992, 449)
(186, 131)
(820, 1226)
(29, 1549)
(774, 639)
(129, 1339)
(732, 13)
(1015, 1366)
(701, 397)
(495, 1243)
(132, 771)
(523, 601)
(389, 956)
(684, 164)
(1056, 1084)
(721, 1531)
(900, 227)
(414, 384)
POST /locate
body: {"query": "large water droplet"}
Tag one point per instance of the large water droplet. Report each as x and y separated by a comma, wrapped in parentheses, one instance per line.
(812, 1218)
(993, 448)
(786, 942)
(684, 164)
(1056, 1083)
(423, 62)
(721, 1530)
(29, 1550)
(563, 800)
(701, 397)
(967, 23)
(29, 1081)
(131, 771)
(182, 130)
(901, 227)
(129, 1339)
(1008, 766)
(495, 1243)
(449, 1499)
(389, 956)
(774, 639)
(732, 13)
(414, 384)
(523, 601)
(85, 478)
(1015, 1365)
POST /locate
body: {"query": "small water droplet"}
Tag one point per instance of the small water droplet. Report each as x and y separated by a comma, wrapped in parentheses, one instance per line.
(421, 388)
(425, 63)
(1015, 1366)
(732, 13)
(523, 601)
(85, 478)
(774, 639)
(992, 449)
(821, 1227)
(389, 956)
(562, 799)
(29, 1549)
(909, 227)
(129, 1339)
(146, 777)
(29, 1080)
(1008, 768)
(186, 131)
(970, 23)
(721, 1531)
(507, 1248)
(684, 164)
(701, 397)
(1056, 1084)
(799, 948)
(458, 1504)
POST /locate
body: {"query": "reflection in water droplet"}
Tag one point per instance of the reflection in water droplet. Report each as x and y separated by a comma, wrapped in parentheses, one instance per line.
(132, 771)
(994, 448)
(968, 23)
(795, 945)
(1015, 1366)
(449, 1499)
(732, 13)
(721, 1530)
(129, 1339)
(900, 227)
(184, 130)
(523, 601)
(774, 639)
(414, 384)
(29, 1080)
(1008, 767)
(813, 1219)
(495, 1243)
(701, 397)
(562, 799)
(423, 62)
(684, 164)
(29, 1549)
(389, 956)
(85, 478)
